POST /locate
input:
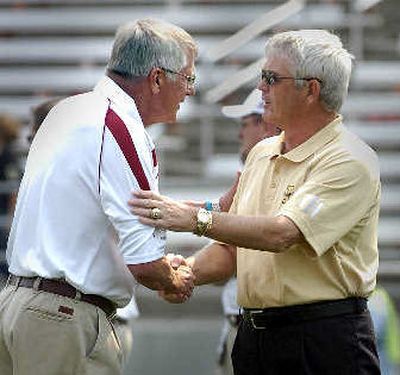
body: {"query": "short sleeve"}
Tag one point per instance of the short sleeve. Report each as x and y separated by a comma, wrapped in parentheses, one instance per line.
(138, 243)
(333, 199)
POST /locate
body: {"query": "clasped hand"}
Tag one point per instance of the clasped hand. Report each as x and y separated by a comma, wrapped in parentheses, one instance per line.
(185, 273)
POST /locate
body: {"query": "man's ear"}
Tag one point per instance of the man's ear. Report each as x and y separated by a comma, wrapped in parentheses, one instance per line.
(155, 78)
(314, 89)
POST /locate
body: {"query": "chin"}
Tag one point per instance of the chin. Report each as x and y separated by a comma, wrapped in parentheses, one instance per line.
(170, 120)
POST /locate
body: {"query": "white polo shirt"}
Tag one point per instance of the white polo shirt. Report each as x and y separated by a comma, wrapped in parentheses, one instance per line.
(89, 154)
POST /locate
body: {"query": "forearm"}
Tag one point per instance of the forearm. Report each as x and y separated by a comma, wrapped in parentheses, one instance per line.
(266, 233)
(274, 234)
(157, 275)
(213, 263)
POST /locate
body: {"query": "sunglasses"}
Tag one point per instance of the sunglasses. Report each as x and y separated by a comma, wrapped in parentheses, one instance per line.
(190, 80)
(271, 78)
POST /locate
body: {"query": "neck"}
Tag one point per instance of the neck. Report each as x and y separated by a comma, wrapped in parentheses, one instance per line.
(304, 128)
(137, 89)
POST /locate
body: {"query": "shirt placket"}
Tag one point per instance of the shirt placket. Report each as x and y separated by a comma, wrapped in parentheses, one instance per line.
(275, 184)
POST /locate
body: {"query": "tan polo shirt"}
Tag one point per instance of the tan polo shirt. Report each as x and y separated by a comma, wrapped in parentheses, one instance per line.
(329, 187)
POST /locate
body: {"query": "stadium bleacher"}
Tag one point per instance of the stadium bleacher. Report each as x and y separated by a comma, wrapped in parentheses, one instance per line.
(52, 48)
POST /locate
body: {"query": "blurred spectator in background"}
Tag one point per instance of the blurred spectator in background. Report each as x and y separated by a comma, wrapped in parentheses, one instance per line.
(387, 330)
(39, 113)
(253, 129)
(124, 318)
(9, 176)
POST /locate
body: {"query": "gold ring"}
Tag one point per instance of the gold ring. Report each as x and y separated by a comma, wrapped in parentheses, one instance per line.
(155, 213)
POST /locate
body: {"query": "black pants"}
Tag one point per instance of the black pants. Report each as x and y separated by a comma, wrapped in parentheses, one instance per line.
(340, 345)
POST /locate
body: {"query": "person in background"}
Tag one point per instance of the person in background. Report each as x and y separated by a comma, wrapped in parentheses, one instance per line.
(66, 281)
(253, 129)
(302, 230)
(39, 113)
(10, 174)
(387, 330)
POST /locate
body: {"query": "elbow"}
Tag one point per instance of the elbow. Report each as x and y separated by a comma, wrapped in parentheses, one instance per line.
(284, 243)
(280, 237)
(276, 244)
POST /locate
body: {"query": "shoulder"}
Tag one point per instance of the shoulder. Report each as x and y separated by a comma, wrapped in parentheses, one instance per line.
(347, 152)
(262, 148)
(79, 118)
(87, 107)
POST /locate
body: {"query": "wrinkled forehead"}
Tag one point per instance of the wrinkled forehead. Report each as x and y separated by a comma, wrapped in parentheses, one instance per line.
(276, 64)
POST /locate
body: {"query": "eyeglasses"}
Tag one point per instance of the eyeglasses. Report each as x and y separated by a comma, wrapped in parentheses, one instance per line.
(271, 78)
(190, 80)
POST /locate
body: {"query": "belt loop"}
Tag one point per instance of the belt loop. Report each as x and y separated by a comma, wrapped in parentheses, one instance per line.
(18, 280)
(36, 283)
(78, 295)
(8, 280)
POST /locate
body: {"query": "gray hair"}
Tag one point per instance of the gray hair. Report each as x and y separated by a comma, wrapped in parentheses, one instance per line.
(145, 44)
(318, 54)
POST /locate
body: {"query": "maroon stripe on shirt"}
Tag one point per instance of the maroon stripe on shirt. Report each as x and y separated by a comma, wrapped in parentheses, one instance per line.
(154, 155)
(121, 134)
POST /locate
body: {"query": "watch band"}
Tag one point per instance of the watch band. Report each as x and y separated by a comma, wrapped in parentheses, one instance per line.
(212, 206)
(204, 222)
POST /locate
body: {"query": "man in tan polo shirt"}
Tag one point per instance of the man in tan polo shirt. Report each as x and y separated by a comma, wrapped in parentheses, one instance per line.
(302, 229)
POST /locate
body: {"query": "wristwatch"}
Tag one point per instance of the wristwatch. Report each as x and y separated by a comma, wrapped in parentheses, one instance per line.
(204, 222)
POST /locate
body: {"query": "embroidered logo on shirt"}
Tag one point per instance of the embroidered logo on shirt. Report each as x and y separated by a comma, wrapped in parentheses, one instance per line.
(288, 193)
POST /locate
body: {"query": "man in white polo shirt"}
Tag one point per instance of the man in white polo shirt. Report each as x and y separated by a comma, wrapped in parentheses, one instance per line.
(90, 153)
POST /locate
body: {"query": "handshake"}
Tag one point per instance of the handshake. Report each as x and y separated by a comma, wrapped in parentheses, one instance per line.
(184, 279)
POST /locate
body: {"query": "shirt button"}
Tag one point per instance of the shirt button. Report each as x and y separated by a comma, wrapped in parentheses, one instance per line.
(273, 185)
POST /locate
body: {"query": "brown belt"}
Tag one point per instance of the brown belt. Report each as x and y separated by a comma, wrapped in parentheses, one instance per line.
(62, 288)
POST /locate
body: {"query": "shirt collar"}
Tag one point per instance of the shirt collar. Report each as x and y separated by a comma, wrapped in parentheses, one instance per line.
(118, 97)
(307, 148)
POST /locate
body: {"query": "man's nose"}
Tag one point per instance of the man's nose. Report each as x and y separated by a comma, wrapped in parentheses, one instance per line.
(191, 90)
(262, 86)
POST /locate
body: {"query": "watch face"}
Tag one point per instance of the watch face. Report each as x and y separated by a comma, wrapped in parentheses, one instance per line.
(203, 217)
(204, 221)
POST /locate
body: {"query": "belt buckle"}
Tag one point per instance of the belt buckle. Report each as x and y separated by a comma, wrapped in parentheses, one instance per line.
(252, 314)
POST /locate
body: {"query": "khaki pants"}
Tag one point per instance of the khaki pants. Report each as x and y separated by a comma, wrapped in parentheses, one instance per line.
(46, 334)
(124, 331)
